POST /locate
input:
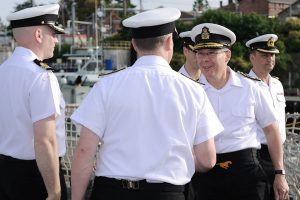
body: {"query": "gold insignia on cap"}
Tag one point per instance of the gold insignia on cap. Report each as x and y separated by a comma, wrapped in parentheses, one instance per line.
(191, 47)
(270, 42)
(205, 33)
(208, 45)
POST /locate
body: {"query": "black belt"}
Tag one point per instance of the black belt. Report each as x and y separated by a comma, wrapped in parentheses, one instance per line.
(264, 148)
(264, 153)
(137, 185)
(9, 158)
(236, 158)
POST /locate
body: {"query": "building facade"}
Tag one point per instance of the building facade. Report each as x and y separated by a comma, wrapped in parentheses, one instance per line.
(270, 8)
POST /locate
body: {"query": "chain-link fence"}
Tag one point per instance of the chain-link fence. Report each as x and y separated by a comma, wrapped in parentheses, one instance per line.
(292, 154)
(72, 136)
(291, 150)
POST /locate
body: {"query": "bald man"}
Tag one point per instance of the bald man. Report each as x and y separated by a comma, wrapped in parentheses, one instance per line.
(32, 132)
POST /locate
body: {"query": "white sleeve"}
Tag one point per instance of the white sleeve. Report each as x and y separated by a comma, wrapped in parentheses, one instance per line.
(91, 112)
(264, 112)
(44, 97)
(208, 124)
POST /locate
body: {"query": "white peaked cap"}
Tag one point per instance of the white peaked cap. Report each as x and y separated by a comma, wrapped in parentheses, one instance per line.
(153, 23)
(36, 16)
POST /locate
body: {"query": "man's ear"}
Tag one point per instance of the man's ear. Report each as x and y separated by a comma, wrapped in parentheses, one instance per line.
(39, 35)
(184, 50)
(228, 56)
(251, 56)
(134, 45)
(169, 43)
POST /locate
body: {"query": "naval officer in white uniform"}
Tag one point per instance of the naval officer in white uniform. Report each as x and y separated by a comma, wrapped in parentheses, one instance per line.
(190, 68)
(262, 55)
(155, 126)
(241, 107)
(32, 131)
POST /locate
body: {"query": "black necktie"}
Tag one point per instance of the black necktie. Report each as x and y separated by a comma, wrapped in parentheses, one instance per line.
(42, 65)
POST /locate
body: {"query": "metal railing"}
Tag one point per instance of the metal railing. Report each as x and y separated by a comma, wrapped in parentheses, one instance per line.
(291, 150)
(292, 154)
(72, 136)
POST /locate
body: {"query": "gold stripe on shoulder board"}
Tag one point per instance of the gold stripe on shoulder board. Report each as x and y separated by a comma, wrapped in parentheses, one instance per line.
(191, 79)
(248, 76)
(112, 72)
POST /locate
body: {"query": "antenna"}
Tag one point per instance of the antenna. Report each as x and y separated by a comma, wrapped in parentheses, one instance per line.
(141, 6)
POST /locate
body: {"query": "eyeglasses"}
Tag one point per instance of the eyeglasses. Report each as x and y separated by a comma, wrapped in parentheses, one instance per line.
(210, 54)
(266, 55)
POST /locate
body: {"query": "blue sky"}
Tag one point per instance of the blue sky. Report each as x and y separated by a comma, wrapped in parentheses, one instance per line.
(7, 6)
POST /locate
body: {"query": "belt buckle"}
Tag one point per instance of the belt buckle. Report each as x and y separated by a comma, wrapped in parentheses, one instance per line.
(134, 185)
(225, 165)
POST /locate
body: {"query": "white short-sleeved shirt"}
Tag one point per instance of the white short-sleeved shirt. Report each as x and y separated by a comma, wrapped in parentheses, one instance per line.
(148, 118)
(276, 98)
(241, 108)
(28, 94)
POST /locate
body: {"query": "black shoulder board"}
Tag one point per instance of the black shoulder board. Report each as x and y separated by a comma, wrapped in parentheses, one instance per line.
(192, 79)
(112, 72)
(43, 65)
(247, 76)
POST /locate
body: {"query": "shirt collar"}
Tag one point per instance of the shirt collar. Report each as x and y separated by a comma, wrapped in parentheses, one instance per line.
(183, 71)
(25, 53)
(151, 61)
(271, 79)
(233, 80)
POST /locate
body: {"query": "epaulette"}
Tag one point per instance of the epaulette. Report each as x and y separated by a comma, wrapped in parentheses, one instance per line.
(248, 76)
(276, 77)
(192, 79)
(112, 72)
(42, 65)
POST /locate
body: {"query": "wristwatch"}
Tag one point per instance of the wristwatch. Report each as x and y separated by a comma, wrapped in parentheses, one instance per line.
(280, 171)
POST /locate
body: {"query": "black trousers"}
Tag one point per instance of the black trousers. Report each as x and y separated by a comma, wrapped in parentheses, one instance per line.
(21, 179)
(266, 162)
(110, 189)
(236, 176)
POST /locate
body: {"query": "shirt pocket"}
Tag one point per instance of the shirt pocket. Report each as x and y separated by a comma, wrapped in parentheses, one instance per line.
(245, 111)
(243, 116)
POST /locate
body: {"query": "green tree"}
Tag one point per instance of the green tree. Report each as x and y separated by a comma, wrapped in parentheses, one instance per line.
(23, 5)
(291, 34)
(200, 5)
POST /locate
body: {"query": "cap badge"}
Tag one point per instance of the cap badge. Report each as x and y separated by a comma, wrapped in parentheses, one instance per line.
(205, 33)
(270, 42)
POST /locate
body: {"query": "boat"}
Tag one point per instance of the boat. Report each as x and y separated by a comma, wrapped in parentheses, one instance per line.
(82, 67)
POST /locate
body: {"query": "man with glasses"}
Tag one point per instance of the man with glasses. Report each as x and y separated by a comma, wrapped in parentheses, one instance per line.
(241, 108)
(262, 51)
(190, 67)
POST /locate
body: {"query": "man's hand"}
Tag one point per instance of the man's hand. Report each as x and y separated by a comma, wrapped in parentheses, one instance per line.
(281, 188)
(55, 196)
